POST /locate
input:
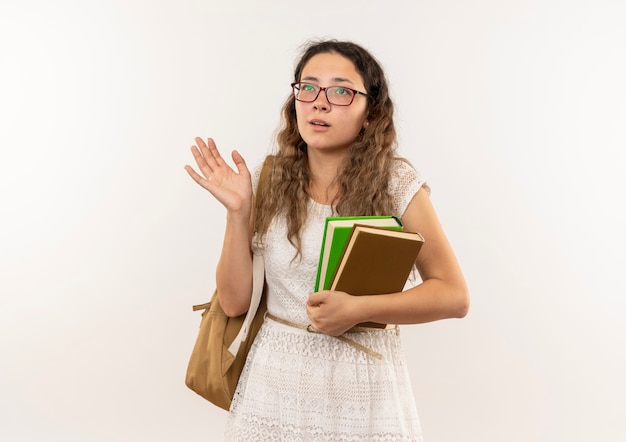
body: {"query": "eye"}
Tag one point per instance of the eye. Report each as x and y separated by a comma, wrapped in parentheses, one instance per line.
(305, 87)
(340, 91)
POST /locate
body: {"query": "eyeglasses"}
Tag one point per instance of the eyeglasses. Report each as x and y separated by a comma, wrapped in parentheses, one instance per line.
(337, 95)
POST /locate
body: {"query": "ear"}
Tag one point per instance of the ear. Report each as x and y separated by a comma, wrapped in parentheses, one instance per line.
(365, 124)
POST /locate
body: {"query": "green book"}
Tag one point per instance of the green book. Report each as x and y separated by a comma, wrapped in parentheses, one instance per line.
(336, 233)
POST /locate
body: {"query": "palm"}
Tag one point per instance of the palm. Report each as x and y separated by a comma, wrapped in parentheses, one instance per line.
(231, 188)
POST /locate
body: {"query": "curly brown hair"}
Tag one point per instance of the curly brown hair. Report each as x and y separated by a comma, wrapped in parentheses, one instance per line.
(369, 158)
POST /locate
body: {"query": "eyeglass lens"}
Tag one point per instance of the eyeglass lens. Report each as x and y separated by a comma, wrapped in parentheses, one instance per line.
(338, 95)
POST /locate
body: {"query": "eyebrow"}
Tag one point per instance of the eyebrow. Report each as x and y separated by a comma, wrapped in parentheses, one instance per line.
(333, 80)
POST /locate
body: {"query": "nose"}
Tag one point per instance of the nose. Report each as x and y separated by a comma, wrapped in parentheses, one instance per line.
(321, 102)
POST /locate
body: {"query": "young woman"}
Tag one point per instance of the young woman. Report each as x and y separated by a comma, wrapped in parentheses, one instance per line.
(336, 156)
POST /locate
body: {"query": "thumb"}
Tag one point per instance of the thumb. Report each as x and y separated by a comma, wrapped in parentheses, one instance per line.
(239, 162)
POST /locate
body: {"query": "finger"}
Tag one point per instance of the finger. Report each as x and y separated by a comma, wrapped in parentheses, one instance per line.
(240, 163)
(315, 299)
(314, 329)
(201, 146)
(312, 300)
(215, 153)
(200, 142)
(311, 316)
(201, 161)
(206, 153)
(197, 177)
(197, 155)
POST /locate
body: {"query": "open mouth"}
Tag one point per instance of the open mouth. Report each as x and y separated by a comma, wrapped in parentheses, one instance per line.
(319, 123)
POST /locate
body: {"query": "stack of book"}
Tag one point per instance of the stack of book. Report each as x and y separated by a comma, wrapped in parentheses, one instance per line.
(336, 233)
(366, 255)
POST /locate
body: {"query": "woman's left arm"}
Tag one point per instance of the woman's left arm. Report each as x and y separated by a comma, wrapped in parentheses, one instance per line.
(442, 294)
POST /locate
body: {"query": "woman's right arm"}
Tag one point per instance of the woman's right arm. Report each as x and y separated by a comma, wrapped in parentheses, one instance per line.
(234, 190)
(234, 269)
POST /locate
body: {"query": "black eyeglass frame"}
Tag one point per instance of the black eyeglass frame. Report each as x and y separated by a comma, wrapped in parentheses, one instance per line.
(325, 89)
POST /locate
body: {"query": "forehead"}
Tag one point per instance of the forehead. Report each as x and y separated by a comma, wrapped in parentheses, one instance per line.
(331, 67)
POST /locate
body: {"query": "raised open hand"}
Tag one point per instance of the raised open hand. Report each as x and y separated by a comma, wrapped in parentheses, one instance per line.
(231, 188)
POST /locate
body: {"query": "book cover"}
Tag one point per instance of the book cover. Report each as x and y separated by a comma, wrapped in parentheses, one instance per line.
(376, 261)
(336, 233)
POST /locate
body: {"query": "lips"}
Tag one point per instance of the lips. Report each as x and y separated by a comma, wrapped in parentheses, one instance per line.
(320, 123)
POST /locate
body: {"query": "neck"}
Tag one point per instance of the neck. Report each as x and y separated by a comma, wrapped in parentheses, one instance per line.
(324, 170)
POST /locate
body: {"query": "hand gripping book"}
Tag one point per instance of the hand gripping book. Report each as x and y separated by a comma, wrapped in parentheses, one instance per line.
(336, 233)
(376, 261)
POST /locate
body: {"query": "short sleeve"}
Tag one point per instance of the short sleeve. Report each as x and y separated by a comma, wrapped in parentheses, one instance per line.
(404, 184)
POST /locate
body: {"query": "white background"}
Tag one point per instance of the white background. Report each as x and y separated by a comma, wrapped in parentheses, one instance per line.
(514, 110)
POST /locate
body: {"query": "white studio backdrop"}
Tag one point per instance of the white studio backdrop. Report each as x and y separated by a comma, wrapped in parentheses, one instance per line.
(513, 110)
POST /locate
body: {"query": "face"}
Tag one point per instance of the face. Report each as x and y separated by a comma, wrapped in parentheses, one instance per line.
(323, 125)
